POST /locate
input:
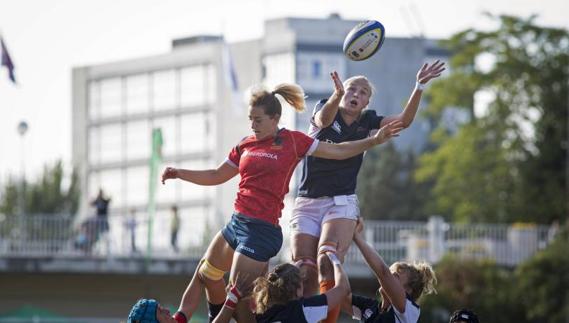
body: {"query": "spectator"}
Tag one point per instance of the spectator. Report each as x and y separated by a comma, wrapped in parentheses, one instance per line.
(130, 226)
(101, 204)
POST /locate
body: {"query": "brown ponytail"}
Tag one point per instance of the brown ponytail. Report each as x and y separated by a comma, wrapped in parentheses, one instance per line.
(291, 93)
(278, 287)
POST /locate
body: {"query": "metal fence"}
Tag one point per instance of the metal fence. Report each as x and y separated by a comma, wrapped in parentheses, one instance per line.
(62, 236)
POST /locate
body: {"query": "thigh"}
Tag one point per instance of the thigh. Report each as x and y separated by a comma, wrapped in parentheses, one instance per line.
(247, 268)
(303, 246)
(340, 232)
(219, 253)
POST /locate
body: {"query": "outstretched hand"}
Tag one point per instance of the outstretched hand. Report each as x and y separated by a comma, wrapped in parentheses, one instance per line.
(359, 230)
(169, 173)
(429, 72)
(338, 85)
(388, 131)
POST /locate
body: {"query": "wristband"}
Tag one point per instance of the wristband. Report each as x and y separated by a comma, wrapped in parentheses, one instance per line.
(326, 248)
(180, 317)
(232, 298)
(419, 86)
(333, 258)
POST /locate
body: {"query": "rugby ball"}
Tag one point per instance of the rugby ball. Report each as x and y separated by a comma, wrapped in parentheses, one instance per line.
(364, 40)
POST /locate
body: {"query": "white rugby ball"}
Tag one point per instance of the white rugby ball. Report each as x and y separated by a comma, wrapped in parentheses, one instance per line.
(364, 40)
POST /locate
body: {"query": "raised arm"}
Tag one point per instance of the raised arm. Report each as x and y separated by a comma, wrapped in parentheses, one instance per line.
(390, 284)
(425, 74)
(222, 174)
(349, 149)
(325, 116)
(235, 292)
(337, 295)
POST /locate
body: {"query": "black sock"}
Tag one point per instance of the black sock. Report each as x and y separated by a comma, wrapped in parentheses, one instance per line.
(213, 310)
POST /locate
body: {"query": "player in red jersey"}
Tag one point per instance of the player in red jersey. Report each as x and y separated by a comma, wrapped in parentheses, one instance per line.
(265, 161)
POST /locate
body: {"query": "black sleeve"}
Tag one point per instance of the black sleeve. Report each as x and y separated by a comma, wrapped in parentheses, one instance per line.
(318, 106)
(364, 303)
(368, 308)
(373, 119)
(318, 300)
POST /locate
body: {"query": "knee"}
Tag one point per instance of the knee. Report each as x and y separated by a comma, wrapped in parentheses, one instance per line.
(324, 264)
(208, 271)
(307, 264)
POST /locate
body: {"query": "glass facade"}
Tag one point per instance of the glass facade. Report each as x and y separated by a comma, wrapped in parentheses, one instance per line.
(123, 111)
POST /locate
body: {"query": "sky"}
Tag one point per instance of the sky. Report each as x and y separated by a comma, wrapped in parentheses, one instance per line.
(47, 38)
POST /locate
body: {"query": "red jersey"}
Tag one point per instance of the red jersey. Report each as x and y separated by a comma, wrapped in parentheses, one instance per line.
(266, 167)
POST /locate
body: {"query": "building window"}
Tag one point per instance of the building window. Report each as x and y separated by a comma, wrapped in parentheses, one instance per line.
(94, 100)
(110, 99)
(94, 146)
(313, 68)
(111, 143)
(164, 90)
(193, 133)
(137, 185)
(138, 141)
(279, 68)
(193, 82)
(137, 96)
(316, 69)
(211, 90)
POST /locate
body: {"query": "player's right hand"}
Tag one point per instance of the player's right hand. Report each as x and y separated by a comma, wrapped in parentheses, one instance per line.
(169, 173)
(338, 85)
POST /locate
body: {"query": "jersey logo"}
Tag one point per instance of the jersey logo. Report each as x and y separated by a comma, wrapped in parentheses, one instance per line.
(336, 127)
(261, 154)
(242, 247)
(368, 313)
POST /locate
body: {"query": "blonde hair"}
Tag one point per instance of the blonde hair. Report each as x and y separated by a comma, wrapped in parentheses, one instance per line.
(363, 79)
(279, 287)
(422, 278)
(291, 93)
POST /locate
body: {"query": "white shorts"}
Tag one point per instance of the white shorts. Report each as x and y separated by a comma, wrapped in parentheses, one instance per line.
(309, 214)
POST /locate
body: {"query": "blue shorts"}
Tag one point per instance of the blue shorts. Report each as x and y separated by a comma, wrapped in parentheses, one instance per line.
(254, 238)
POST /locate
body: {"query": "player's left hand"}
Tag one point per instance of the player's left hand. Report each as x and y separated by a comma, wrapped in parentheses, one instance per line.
(429, 72)
(388, 131)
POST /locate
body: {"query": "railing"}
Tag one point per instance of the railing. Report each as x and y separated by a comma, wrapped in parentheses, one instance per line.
(62, 236)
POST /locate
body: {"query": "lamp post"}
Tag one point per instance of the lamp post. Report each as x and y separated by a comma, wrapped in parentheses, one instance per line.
(22, 129)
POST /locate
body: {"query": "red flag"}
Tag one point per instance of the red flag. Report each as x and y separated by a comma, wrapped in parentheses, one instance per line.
(7, 61)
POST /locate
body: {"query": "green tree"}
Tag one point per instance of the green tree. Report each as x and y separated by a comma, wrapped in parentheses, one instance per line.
(509, 163)
(543, 283)
(386, 185)
(479, 285)
(47, 195)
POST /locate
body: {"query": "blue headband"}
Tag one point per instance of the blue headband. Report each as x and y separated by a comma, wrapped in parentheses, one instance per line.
(144, 311)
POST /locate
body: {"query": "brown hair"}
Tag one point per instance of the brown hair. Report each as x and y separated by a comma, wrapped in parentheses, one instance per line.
(291, 93)
(422, 278)
(278, 287)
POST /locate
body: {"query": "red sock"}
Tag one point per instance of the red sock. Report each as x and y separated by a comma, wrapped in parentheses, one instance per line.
(333, 313)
